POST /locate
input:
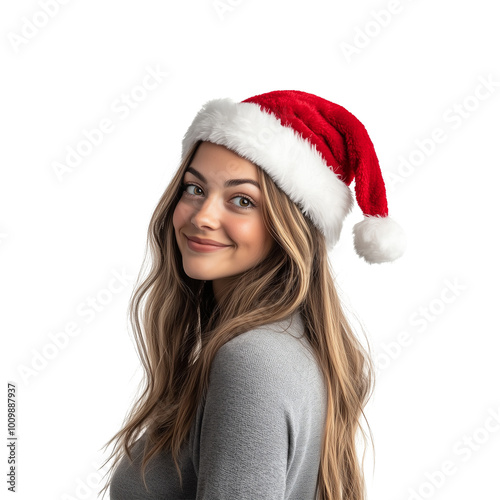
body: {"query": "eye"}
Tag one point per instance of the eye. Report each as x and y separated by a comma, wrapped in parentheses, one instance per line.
(186, 186)
(248, 201)
(191, 190)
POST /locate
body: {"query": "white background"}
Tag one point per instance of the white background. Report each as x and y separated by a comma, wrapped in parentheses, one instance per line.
(430, 316)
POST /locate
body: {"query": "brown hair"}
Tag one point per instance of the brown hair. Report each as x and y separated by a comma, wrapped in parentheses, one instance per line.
(178, 328)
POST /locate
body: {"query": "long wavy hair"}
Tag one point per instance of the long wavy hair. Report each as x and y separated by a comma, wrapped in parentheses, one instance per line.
(179, 327)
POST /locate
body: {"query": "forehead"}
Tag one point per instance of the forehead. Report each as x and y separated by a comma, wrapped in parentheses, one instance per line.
(216, 161)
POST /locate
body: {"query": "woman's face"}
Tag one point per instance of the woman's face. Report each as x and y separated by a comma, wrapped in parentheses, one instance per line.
(220, 202)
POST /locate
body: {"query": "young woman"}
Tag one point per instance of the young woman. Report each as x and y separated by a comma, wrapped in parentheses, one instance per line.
(254, 380)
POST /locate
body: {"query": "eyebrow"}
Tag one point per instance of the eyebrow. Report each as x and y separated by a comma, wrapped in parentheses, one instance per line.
(229, 183)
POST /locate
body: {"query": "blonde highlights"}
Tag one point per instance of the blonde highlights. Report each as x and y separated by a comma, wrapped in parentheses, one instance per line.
(178, 328)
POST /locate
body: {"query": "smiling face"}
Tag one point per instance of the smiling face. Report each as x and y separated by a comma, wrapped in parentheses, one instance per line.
(221, 201)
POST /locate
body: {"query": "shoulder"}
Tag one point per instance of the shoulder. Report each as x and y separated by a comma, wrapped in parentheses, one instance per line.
(262, 415)
(270, 359)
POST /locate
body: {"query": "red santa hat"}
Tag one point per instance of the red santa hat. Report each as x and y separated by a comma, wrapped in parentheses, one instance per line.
(313, 149)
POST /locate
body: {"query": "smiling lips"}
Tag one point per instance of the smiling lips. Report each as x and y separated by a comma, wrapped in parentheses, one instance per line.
(204, 245)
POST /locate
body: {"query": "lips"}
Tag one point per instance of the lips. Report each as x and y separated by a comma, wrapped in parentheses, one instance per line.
(206, 242)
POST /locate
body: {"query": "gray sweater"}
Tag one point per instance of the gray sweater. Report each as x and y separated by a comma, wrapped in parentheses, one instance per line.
(257, 433)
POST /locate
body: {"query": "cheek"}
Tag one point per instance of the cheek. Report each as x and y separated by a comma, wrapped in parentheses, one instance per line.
(179, 216)
(249, 233)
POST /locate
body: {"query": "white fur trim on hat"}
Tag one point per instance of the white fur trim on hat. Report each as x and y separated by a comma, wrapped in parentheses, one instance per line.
(292, 162)
(379, 239)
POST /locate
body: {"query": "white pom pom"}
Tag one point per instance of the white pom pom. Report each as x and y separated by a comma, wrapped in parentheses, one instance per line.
(379, 239)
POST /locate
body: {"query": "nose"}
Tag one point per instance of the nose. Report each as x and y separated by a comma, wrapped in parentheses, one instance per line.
(207, 215)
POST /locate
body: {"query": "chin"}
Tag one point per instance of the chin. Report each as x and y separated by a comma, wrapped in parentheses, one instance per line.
(197, 275)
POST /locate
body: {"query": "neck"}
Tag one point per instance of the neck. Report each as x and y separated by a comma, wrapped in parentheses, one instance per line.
(221, 287)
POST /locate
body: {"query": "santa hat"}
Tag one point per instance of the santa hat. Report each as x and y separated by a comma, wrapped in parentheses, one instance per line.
(312, 149)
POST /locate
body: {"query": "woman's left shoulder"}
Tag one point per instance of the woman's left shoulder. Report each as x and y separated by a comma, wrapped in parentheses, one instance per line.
(278, 351)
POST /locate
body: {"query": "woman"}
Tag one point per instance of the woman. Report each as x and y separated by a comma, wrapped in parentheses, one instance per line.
(254, 380)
